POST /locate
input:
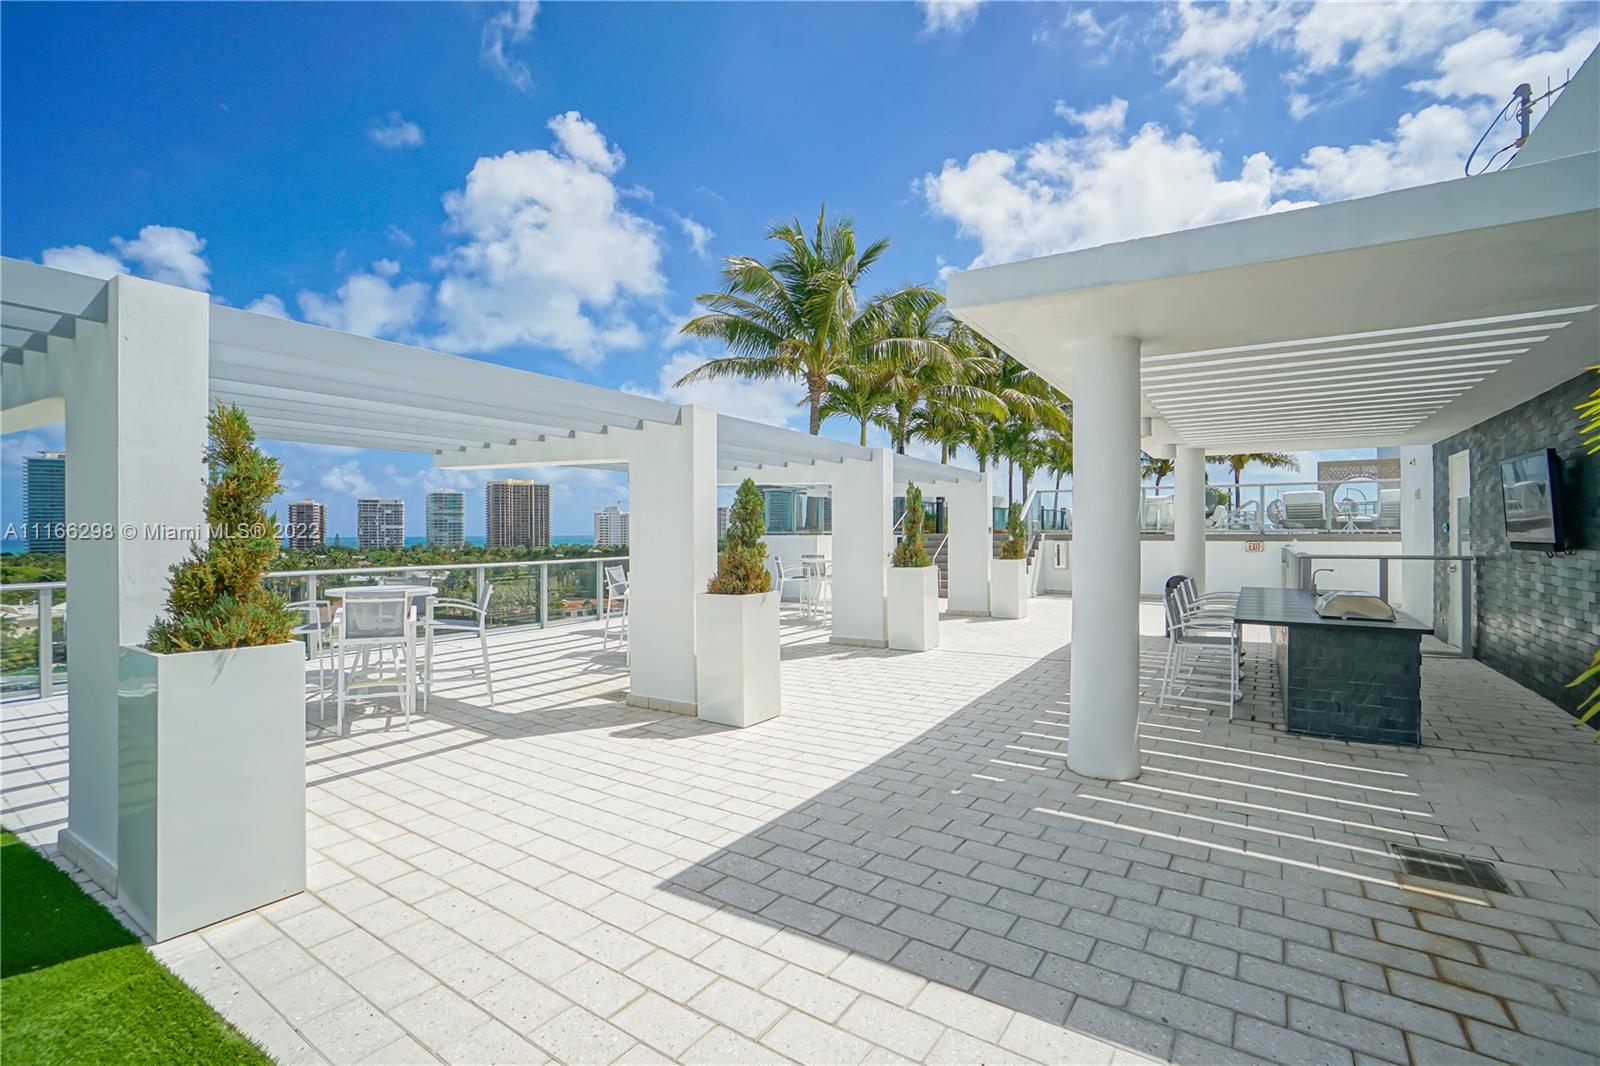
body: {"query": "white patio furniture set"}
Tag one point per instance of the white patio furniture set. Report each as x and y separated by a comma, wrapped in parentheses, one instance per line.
(382, 637)
(814, 576)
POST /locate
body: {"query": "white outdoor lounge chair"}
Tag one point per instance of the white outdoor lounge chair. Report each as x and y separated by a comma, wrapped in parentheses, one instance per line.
(1305, 510)
(1388, 508)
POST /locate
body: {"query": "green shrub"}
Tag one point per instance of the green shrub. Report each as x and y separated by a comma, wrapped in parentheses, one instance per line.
(1015, 546)
(911, 551)
(742, 566)
(215, 598)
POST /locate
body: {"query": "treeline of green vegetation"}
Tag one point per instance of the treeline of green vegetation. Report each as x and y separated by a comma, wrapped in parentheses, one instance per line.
(30, 567)
(339, 556)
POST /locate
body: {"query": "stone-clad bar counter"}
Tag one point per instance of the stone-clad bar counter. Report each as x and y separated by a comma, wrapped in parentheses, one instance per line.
(1348, 679)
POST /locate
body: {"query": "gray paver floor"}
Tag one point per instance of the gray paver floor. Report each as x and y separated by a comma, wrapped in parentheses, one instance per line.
(900, 868)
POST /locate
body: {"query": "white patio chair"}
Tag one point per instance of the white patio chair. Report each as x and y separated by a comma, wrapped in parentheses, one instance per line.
(1305, 510)
(616, 592)
(818, 571)
(1246, 516)
(782, 575)
(376, 621)
(317, 629)
(1202, 663)
(1218, 518)
(476, 622)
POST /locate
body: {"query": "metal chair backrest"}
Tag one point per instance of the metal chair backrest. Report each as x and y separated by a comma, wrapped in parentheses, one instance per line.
(1169, 601)
(372, 618)
(616, 577)
(484, 593)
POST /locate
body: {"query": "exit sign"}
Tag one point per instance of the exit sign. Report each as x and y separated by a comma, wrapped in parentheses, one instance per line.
(1254, 546)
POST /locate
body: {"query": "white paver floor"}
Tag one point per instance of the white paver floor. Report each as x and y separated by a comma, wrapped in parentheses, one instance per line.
(901, 868)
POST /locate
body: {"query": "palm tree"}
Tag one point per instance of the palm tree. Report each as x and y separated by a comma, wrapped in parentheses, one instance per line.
(1058, 456)
(1237, 463)
(797, 317)
(1151, 466)
(930, 361)
(855, 391)
(1033, 405)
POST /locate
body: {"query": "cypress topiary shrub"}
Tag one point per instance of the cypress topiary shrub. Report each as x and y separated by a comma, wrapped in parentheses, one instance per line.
(912, 551)
(215, 598)
(1015, 546)
(742, 566)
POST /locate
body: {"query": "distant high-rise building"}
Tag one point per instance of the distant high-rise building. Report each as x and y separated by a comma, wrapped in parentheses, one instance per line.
(308, 525)
(380, 523)
(611, 527)
(722, 522)
(447, 518)
(517, 513)
(47, 502)
(786, 509)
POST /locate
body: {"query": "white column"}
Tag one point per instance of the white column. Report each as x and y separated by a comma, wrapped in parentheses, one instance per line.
(1416, 529)
(672, 549)
(1105, 559)
(863, 536)
(136, 390)
(1189, 519)
(971, 514)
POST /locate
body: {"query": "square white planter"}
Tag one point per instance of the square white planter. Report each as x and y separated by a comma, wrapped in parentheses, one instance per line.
(211, 783)
(736, 658)
(1008, 597)
(913, 607)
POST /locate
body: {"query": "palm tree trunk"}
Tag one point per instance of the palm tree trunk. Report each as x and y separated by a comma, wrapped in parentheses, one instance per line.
(1238, 499)
(863, 431)
(814, 401)
(1011, 482)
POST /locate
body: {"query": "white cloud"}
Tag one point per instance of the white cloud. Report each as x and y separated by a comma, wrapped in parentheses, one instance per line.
(1069, 192)
(168, 254)
(511, 26)
(164, 253)
(1492, 62)
(1209, 37)
(1370, 39)
(369, 304)
(386, 268)
(1426, 146)
(268, 304)
(81, 259)
(774, 402)
(583, 141)
(347, 479)
(948, 16)
(399, 236)
(1109, 117)
(699, 236)
(395, 131)
(548, 255)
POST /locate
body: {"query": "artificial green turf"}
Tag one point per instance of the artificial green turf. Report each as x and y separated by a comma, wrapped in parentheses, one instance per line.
(76, 987)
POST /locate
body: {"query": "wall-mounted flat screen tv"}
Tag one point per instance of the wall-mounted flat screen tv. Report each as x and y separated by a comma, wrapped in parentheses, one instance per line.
(1532, 487)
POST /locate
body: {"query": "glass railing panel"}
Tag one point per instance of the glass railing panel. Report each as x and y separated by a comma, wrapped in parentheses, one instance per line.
(574, 590)
(515, 601)
(22, 623)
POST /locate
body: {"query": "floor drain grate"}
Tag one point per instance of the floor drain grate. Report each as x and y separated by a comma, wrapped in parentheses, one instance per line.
(1451, 869)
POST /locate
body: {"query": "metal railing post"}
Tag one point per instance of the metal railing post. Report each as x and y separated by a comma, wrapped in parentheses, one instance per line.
(47, 643)
(544, 594)
(599, 587)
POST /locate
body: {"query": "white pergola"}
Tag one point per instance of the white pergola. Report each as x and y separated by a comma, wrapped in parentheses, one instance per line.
(1394, 320)
(132, 367)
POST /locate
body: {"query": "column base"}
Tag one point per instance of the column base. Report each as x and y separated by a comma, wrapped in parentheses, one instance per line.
(101, 870)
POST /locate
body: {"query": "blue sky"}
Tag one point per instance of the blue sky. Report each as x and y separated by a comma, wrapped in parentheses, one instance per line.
(549, 187)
